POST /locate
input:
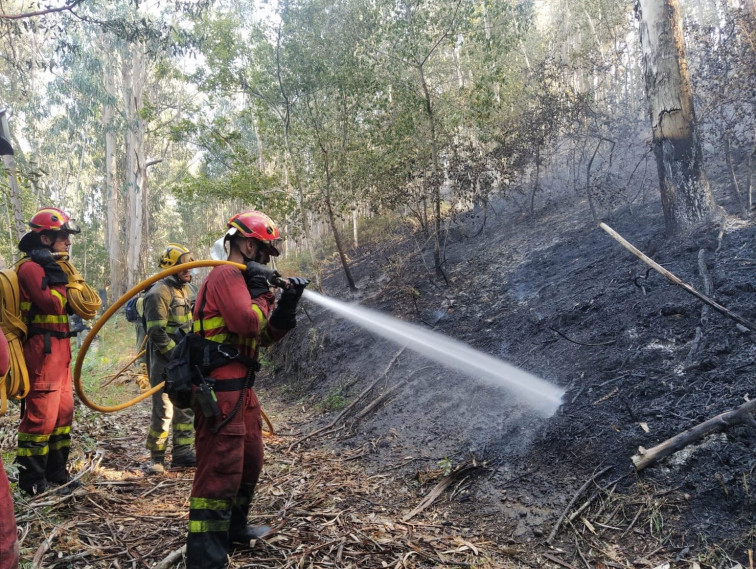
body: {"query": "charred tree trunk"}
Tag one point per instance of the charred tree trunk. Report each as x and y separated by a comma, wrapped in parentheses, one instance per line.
(734, 187)
(751, 174)
(686, 196)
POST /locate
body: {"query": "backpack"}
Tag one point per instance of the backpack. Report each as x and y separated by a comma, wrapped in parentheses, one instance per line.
(131, 309)
(191, 359)
(15, 385)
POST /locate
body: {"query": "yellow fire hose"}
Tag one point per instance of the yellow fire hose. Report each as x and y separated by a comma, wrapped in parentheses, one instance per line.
(112, 310)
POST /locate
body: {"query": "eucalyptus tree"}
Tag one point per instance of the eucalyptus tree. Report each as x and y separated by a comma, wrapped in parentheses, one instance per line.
(685, 192)
(415, 39)
(335, 92)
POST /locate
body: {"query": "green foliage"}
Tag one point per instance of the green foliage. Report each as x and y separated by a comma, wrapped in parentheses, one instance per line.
(334, 400)
(446, 465)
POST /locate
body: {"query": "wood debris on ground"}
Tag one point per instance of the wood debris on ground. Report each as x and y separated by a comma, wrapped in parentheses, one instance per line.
(325, 511)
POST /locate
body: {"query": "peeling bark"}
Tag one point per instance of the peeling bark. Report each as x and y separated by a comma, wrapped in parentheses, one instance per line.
(686, 196)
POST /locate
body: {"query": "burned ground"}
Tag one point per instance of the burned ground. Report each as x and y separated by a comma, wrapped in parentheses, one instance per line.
(640, 358)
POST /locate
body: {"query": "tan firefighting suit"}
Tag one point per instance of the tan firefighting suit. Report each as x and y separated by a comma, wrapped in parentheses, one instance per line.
(168, 317)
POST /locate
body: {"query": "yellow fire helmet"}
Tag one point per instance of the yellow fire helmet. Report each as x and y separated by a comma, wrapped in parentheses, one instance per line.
(173, 255)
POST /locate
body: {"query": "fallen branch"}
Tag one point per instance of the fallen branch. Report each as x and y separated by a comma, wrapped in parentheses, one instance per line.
(171, 558)
(349, 407)
(437, 490)
(378, 400)
(742, 414)
(672, 278)
(45, 545)
(558, 561)
(582, 489)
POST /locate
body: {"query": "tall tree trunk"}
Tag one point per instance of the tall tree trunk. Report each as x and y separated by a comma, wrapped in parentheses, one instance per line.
(435, 182)
(334, 226)
(9, 161)
(734, 186)
(686, 196)
(133, 74)
(291, 166)
(751, 174)
(355, 219)
(112, 217)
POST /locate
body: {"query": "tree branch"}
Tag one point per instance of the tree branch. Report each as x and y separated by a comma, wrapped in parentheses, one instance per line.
(23, 15)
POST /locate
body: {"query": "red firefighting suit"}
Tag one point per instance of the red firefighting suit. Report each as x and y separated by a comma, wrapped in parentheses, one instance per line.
(8, 535)
(229, 461)
(44, 434)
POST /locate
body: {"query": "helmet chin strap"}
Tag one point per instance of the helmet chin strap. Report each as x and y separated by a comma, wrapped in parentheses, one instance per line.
(257, 258)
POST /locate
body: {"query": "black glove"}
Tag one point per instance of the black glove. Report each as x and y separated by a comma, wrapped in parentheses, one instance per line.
(295, 289)
(54, 273)
(284, 316)
(257, 277)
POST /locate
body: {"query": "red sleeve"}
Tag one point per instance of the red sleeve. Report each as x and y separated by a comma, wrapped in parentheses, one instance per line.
(4, 355)
(30, 276)
(236, 307)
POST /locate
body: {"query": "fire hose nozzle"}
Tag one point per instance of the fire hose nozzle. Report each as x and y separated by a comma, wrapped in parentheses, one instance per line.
(279, 281)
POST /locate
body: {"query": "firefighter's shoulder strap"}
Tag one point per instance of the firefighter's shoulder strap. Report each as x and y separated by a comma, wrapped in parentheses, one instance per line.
(15, 384)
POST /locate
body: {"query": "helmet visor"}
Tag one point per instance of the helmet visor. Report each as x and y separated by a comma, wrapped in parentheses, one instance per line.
(274, 247)
(185, 258)
(71, 226)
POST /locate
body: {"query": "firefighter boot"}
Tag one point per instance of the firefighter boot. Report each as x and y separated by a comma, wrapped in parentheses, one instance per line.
(239, 531)
(60, 445)
(183, 456)
(156, 464)
(31, 474)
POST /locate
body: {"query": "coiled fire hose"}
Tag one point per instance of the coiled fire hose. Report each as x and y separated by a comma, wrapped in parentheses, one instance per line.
(16, 383)
(112, 310)
(84, 301)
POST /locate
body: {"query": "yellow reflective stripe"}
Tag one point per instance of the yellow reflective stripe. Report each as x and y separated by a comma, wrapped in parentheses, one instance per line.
(60, 444)
(62, 430)
(152, 323)
(184, 426)
(25, 305)
(210, 504)
(260, 316)
(184, 440)
(63, 300)
(181, 318)
(37, 451)
(168, 347)
(50, 319)
(196, 526)
(158, 434)
(31, 437)
(220, 338)
(157, 445)
(209, 323)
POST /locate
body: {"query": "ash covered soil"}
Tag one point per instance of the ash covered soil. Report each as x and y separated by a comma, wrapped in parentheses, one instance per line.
(640, 360)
